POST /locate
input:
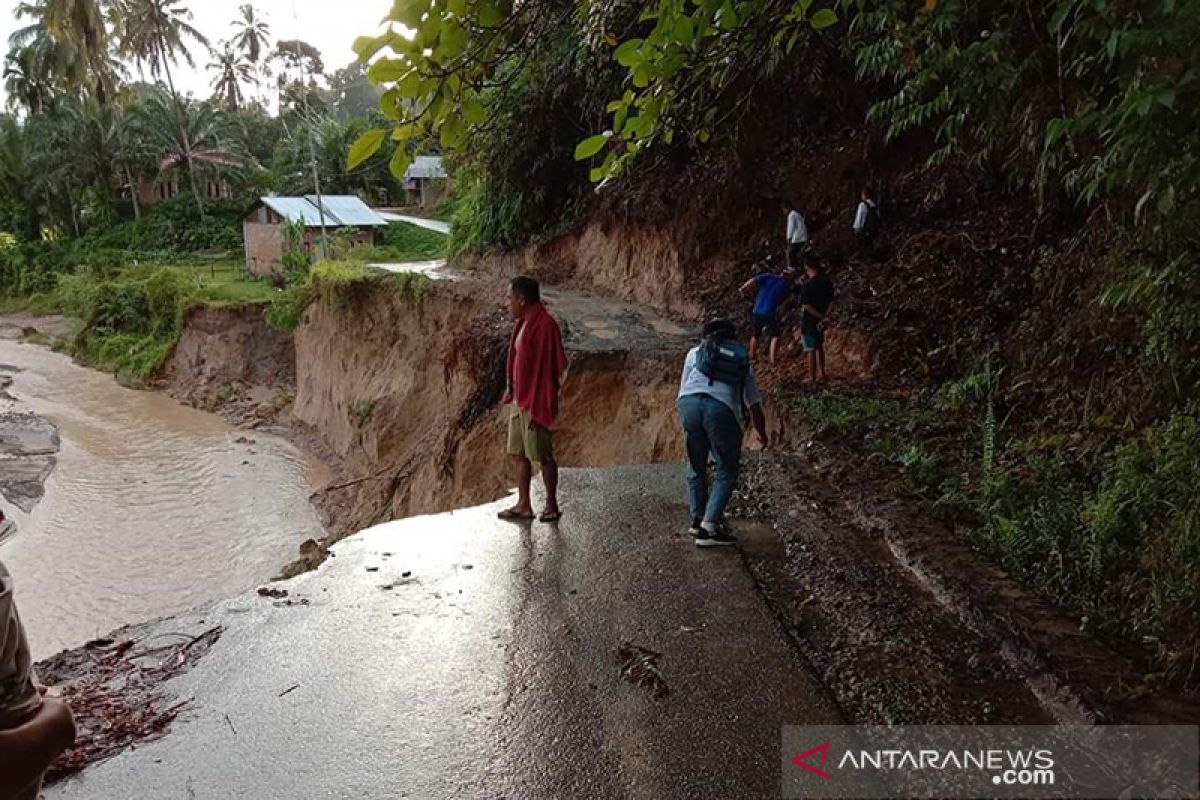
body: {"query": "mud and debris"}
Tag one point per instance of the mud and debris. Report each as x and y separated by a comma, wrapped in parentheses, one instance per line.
(905, 624)
(639, 666)
(29, 446)
(115, 689)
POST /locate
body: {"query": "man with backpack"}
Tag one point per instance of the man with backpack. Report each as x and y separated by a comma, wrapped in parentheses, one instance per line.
(866, 222)
(715, 391)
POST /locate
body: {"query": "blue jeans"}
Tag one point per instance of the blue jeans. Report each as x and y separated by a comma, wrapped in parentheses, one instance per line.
(710, 426)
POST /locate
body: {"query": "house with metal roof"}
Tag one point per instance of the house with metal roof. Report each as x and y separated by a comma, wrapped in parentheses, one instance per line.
(426, 182)
(269, 224)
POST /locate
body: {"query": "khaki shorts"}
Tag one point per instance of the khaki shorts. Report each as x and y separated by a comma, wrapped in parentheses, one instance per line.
(527, 438)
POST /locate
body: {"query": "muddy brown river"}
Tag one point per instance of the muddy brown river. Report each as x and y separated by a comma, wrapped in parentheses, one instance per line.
(153, 507)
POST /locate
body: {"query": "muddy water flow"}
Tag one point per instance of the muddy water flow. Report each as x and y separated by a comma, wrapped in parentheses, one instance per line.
(152, 507)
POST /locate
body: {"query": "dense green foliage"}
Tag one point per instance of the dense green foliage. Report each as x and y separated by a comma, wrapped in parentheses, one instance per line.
(131, 315)
(85, 144)
(1110, 531)
(679, 73)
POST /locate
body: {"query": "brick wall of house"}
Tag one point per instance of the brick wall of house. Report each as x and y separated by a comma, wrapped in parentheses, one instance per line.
(264, 246)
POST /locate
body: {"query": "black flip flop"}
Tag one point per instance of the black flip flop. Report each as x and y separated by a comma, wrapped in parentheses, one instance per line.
(551, 516)
(512, 515)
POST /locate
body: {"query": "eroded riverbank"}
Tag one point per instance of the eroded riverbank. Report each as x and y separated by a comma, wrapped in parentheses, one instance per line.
(150, 508)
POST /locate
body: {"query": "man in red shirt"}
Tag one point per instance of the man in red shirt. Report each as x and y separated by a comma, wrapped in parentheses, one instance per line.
(536, 362)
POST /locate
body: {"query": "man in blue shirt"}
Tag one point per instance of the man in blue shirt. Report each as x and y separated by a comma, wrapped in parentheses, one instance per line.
(773, 290)
(711, 412)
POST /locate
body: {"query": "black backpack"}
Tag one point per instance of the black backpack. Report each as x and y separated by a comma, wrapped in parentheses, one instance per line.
(874, 218)
(725, 359)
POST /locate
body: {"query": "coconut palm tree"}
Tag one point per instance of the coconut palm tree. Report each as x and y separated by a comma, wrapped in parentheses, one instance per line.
(27, 79)
(154, 34)
(186, 136)
(253, 33)
(20, 182)
(72, 42)
(231, 68)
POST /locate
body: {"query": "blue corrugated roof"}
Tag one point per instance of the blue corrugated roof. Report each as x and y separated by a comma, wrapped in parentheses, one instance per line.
(295, 209)
(340, 210)
(347, 210)
(426, 167)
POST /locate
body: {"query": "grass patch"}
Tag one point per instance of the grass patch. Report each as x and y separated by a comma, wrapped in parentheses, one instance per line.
(403, 241)
(1106, 524)
(343, 280)
(132, 315)
(231, 286)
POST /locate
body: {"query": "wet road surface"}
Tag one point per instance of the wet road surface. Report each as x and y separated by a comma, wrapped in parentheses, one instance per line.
(456, 656)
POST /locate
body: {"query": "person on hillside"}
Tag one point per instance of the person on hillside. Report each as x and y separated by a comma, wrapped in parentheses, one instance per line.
(774, 289)
(866, 222)
(816, 301)
(33, 730)
(715, 391)
(797, 234)
(536, 363)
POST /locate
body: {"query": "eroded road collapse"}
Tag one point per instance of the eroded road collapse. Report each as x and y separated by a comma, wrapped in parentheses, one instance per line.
(459, 656)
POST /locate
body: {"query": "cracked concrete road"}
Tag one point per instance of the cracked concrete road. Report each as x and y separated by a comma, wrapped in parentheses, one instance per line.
(457, 656)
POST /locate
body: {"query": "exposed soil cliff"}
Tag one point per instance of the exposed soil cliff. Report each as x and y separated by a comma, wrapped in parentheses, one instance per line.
(399, 392)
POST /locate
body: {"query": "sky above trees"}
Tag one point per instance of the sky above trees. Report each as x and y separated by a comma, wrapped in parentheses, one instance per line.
(330, 27)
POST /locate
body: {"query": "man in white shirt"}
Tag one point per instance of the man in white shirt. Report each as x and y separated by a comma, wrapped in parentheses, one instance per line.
(866, 221)
(797, 234)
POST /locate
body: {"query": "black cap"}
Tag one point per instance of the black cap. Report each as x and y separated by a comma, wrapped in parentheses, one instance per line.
(719, 327)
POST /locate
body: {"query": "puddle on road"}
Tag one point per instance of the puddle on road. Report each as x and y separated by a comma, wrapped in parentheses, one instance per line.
(601, 329)
(760, 541)
(153, 507)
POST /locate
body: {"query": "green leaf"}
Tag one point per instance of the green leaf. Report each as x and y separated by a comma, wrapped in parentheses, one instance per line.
(823, 19)
(627, 54)
(685, 31)
(387, 70)
(402, 133)
(727, 18)
(453, 42)
(411, 85)
(474, 111)
(400, 162)
(451, 133)
(590, 146)
(390, 104)
(365, 147)
(367, 46)
(408, 12)
(489, 14)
